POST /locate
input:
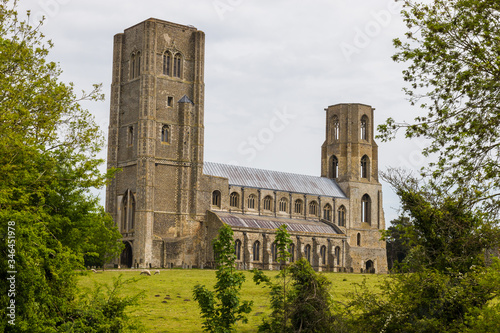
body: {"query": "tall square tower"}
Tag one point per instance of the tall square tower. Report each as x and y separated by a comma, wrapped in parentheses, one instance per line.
(156, 138)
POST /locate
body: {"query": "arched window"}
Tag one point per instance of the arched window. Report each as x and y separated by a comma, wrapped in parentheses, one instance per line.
(364, 128)
(268, 202)
(322, 252)
(298, 206)
(334, 162)
(335, 127)
(164, 133)
(337, 255)
(177, 65)
(327, 212)
(237, 249)
(216, 198)
(128, 211)
(274, 251)
(283, 205)
(251, 201)
(313, 208)
(358, 239)
(365, 208)
(364, 167)
(135, 65)
(234, 199)
(291, 250)
(341, 219)
(307, 252)
(256, 251)
(167, 63)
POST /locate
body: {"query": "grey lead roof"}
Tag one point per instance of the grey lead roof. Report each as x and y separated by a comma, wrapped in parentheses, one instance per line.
(272, 223)
(274, 180)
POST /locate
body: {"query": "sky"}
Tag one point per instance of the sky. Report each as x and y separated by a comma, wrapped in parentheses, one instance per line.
(266, 63)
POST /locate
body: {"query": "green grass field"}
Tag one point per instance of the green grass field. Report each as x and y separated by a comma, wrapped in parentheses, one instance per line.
(168, 305)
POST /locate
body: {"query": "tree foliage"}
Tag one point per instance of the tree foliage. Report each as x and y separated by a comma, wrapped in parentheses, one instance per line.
(48, 164)
(221, 309)
(278, 320)
(397, 244)
(452, 48)
(300, 298)
(444, 284)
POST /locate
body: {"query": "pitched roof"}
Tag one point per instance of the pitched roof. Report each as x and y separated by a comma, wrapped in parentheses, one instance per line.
(274, 180)
(272, 223)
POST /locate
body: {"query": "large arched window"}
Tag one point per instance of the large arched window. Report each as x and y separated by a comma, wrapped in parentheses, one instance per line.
(268, 203)
(364, 128)
(237, 249)
(334, 163)
(313, 208)
(251, 201)
(167, 63)
(337, 255)
(164, 133)
(327, 212)
(298, 206)
(364, 166)
(335, 128)
(341, 216)
(256, 251)
(128, 211)
(291, 250)
(307, 252)
(234, 199)
(283, 205)
(216, 198)
(177, 65)
(366, 208)
(322, 252)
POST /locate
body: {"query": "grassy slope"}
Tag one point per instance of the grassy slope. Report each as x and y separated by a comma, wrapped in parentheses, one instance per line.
(168, 305)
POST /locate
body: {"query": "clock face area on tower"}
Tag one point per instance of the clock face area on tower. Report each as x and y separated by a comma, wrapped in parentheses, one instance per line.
(169, 203)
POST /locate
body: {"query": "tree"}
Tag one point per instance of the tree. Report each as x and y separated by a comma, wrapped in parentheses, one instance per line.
(300, 299)
(453, 53)
(279, 318)
(397, 244)
(221, 309)
(446, 285)
(48, 164)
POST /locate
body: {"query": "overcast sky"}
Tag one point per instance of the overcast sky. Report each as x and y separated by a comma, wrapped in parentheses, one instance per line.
(263, 59)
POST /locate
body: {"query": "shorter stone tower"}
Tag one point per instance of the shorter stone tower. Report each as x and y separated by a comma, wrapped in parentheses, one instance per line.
(350, 157)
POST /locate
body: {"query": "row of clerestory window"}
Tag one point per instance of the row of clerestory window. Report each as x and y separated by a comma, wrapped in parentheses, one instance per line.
(256, 252)
(267, 204)
(363, 130)
(364, 167)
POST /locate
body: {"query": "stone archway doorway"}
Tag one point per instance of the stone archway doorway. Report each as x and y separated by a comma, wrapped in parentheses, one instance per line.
(126, 256)
(370, 268)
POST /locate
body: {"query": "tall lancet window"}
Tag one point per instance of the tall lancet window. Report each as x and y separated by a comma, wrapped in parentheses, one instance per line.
(364, 128)
(177, 65)
(167, 63)
(366, 208)
(335, 167)
(364, 167)
(128, 211)
(335, 127)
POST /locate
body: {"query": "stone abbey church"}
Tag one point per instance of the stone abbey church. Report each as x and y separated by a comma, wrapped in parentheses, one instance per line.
(169, 203)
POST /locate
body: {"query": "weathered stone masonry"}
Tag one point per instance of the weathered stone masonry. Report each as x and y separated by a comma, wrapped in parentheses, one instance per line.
(169, 203)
